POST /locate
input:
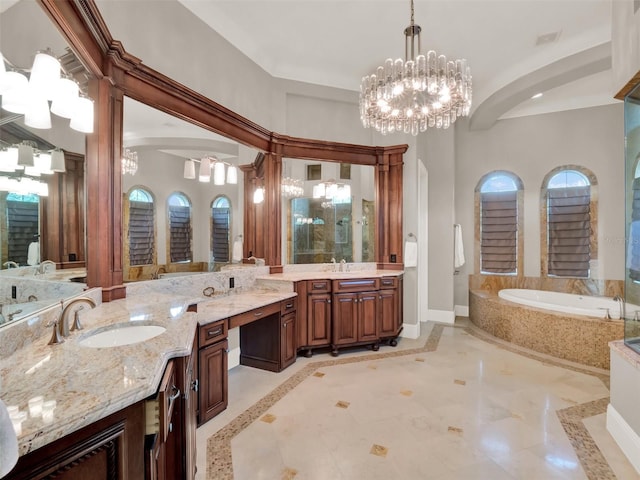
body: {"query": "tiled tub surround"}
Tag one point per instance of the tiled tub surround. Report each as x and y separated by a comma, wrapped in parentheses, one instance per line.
(575, 338)
(582, 286)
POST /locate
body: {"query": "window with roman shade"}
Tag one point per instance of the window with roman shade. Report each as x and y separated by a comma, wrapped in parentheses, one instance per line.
(220, 229)
(568, 224)
(141, 229)
(499, 223)
(179, 211)
(22, 225)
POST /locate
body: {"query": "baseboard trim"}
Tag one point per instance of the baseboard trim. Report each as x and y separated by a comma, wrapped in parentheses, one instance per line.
(410, 330)
(461, 310)
(625, 437)
(442, 316)
(233, 358)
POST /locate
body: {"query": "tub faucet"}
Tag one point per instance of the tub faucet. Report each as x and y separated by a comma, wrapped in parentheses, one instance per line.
(621, 304)
(61, 325)
(156, 275)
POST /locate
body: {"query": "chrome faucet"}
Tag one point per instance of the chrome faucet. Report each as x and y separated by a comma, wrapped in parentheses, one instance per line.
(42, 268)
(342, 264)
(61, 325)
(621, 304)
(334, 265)
(10, 264)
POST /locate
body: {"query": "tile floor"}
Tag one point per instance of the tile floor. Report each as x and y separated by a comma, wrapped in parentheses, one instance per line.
(453, 404)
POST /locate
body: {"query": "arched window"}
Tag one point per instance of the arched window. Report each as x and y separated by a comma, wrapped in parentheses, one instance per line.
(498, 222)
(179, 211)
(568, 211)
(220, 229)
(141, 227)
(22, 226)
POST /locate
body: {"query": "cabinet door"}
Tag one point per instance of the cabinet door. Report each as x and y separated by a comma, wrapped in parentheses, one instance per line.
(367, 316)
(212, 395)
(190, 416)
(345, 318)
(388, 313)
(319, 319)
(288, 340)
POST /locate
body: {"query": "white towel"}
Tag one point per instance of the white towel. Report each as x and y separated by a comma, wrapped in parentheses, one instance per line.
(410, 254)
(33, 255)
(458, 248)
(236, 255)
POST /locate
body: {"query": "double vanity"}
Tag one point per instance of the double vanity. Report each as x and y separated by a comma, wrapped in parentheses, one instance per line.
(130, 410)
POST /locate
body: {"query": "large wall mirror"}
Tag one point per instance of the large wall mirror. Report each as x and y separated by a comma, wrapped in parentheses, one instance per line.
(42, 206)
(328, 212)
(183, 196)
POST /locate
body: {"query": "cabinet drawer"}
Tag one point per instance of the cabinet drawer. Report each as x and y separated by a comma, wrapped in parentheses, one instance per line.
(355, 285)
(213, 332)
(389, 282)
(288, 305)
(253, 315)
(318, 286)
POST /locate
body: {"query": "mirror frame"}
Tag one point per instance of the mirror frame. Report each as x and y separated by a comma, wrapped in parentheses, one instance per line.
(116, 74)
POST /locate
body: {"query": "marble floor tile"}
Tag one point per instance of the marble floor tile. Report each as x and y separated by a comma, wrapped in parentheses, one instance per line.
(472, 407)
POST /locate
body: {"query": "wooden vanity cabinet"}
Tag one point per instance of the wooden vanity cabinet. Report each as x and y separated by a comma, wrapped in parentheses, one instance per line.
(269, 343)
(355, 313)
(314, 314)
(109, 448)
(390, 309)
(213, 385)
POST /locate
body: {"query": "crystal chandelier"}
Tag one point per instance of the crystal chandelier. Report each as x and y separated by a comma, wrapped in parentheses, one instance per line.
(418, 93)
(129, 162)
(292, 187)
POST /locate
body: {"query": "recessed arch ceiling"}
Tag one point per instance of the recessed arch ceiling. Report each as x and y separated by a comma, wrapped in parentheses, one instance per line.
(336, 42)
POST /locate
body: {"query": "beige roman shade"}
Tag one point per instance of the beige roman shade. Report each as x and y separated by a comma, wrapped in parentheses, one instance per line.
(498, 232)
(569, 231)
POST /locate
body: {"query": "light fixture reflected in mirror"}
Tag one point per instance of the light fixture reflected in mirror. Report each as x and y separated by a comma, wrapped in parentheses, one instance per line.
(57, 161)
(232, 175)
(258, 195)
(129, 162)
(189, 169)
(204, 173)
(218, 173)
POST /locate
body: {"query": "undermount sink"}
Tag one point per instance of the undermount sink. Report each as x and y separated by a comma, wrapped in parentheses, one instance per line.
(120, 335)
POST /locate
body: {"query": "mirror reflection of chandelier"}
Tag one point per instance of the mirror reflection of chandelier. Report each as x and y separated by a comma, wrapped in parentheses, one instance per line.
(333, 191)
(129, 162)
(292, 187)
(415, 94)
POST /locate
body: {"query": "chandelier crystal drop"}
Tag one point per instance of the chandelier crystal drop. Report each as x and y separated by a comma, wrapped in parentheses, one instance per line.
(129, 162)
(415, 94)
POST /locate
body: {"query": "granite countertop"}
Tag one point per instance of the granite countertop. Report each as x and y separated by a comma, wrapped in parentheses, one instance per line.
(329, 275)
(226, 306)
(91, 383)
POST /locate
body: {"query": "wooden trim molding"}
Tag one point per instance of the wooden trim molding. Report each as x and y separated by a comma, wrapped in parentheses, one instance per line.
(117, 73)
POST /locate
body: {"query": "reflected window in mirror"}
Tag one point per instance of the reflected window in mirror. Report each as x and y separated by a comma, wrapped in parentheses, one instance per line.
(633, 260)
(21, 218)
(140, 221)
(220, 231)
(180, 229)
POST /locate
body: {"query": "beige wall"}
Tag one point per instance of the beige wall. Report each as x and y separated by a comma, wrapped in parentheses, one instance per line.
(625, 42)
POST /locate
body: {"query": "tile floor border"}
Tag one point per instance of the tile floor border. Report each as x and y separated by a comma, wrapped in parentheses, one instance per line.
(219, 455)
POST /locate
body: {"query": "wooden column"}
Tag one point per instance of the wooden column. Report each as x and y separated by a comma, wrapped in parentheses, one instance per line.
(104, 192)
(389, 200)
(272, 210)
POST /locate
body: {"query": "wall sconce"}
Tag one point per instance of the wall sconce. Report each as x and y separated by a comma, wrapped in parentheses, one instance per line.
(258, 195)
(204, 174)
(189, 170)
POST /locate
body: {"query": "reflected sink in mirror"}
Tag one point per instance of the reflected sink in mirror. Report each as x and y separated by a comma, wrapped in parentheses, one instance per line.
(119, 335)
